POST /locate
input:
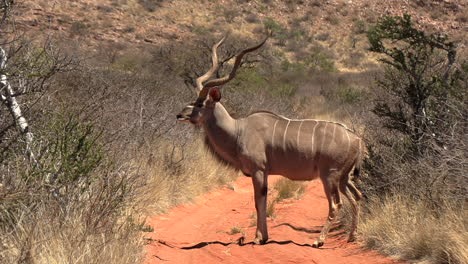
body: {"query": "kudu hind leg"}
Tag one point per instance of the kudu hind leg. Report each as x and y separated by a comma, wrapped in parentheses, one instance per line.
(357, 194)
(353, 195)
(334, 204)
(260, 183)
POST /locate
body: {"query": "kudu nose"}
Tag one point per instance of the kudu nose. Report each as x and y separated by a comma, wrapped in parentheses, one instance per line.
(179, 116)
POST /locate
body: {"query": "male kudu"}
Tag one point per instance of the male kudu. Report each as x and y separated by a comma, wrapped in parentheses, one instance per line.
(264, 143)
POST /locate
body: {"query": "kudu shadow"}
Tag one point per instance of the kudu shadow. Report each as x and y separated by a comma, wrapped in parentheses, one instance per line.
(314, 231)
(240, 242)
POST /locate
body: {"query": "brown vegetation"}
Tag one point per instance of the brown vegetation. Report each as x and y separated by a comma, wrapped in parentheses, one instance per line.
(102, 111)
(404, 228)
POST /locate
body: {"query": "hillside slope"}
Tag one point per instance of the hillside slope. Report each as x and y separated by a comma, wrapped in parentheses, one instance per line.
(337, 25)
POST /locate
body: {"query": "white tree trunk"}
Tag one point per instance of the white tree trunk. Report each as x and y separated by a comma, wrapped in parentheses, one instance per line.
(8, 97)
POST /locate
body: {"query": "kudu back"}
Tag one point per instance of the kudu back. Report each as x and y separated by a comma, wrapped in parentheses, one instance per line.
(265, 143)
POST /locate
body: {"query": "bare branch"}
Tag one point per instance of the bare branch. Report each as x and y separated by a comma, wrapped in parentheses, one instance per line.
(5, 8)
(9, 99)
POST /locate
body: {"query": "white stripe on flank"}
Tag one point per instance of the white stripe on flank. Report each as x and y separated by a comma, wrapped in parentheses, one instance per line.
(359, 150)
(299, 133)
(284, 135)
(313, 132)
(323, 139)
(317, 120)
(333, 135)
(273, 136)
(349, 143)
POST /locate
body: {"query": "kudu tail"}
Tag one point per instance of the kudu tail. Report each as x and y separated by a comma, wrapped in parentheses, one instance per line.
(357, 169)
(361, 156)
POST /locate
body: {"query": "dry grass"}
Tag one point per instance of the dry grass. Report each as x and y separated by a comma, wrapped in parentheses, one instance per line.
(168, 174)
(270, 210)
(284, 189)
(74, 231)
(76, 234)
(177, 174)
(287, 188)
(407, 229)
(236, 230)
(46, 241)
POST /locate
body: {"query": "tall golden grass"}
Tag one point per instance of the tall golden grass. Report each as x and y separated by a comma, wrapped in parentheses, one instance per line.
(44, 236)
(287, 188)
(175, 175)
(284, 188)
(43, 240)
(408, 229)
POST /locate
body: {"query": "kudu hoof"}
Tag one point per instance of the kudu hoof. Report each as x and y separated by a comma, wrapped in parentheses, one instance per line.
(317, 244)
(259, 241)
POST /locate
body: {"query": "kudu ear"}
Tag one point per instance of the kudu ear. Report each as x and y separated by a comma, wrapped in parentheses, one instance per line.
(215, 94)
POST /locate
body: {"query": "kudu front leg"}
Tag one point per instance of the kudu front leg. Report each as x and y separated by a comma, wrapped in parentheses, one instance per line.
(260, 184)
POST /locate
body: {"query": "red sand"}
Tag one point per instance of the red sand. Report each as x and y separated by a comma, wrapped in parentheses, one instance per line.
(198, 233)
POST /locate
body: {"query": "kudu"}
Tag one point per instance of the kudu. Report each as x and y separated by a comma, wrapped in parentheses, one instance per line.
(264, 143)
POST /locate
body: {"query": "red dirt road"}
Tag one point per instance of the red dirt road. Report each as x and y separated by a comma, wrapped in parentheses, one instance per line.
(199, 233)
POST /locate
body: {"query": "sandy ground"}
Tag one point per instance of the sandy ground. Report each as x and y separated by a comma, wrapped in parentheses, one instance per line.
(202, 232)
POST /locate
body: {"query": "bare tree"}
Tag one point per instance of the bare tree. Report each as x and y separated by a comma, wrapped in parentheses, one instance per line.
(8, 97)
(5, 7)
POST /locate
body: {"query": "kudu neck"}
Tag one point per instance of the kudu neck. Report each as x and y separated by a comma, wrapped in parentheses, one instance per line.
(221, 125)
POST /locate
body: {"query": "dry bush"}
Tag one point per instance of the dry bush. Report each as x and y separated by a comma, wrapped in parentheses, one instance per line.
(332, 19)
(323, 36)
(150, 5)
(404, 228)
(354, 59)
(293, 5)
(437, 14)
(415, 207)
(173, 173)
(252, 18)
(416, 171)
(462, 17)
(437, 176)
(105, 8)
(122, 156)
(61, 231)
(335, 92)
(420, 110)
(70, 207)
(359, 27)
(317, 3)
(110, 150)
(231, 13)
(78, 29)
(77, 205)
